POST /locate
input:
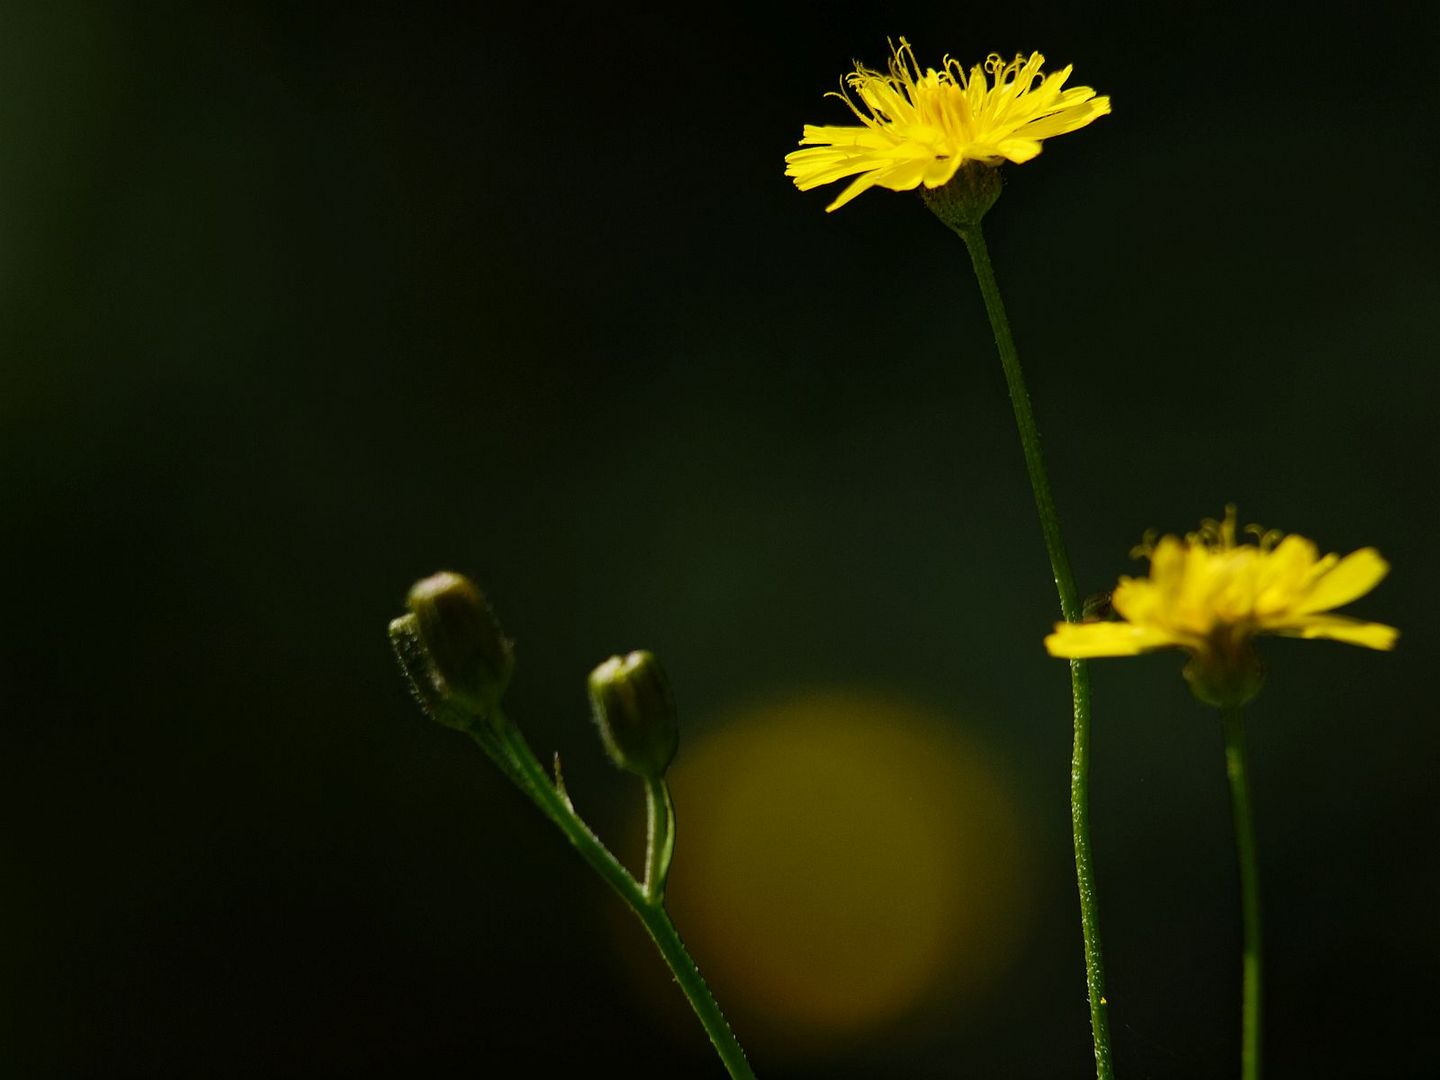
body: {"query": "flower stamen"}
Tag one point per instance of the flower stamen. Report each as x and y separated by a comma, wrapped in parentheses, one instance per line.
(1146, 548)
(1265, 539)
(1216, 535)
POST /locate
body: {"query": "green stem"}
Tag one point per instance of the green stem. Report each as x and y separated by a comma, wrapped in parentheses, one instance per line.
(659, 838)
(1085, 870)
(1235, 769)
(1070, 610)
(531, 778)
(1025, 422)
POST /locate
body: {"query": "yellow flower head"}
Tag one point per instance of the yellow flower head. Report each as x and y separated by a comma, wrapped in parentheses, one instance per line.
(920, 127)
(1210, 596)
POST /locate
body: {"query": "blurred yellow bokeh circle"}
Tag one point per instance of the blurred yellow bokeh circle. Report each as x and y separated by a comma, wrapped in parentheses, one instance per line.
(840, 857)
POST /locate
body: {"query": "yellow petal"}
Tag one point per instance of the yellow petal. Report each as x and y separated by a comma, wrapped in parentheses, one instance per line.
(861, 183)
(818, 135)
(906, 175)
(942, 170)
(808, 175)
(1060, 123)
(1352, 576)
(1138, 600)
(1167, 562)
(1019, 150)
(1078, 641)
(1371, 635)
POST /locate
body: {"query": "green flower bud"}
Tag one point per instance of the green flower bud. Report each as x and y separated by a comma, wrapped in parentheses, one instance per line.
(470, 659)
(415, 662)
(635, 713)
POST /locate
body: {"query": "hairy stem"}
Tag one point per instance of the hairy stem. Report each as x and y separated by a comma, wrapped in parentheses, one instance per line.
(531, 778)
(1070, 610)
(659, 838)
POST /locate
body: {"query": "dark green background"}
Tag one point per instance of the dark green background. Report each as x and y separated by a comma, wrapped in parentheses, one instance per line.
(300, 302)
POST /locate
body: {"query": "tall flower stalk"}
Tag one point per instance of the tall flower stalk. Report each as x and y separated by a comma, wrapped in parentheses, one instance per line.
(946, 132)
(1236, 771)
(1070, 610)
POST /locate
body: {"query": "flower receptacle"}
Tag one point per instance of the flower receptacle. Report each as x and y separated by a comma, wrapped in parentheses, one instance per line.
(967, 197)
(1226, 678)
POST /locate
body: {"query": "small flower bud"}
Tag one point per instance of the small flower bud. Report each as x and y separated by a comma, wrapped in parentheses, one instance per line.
(470, 658)
(635, 713)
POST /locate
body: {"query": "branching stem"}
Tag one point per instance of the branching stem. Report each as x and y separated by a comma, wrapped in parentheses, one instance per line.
(503, 739)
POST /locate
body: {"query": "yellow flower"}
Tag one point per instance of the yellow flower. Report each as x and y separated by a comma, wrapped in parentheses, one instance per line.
(1210, 596)
(921, 127)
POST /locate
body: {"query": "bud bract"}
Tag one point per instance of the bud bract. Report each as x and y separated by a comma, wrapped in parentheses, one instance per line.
(470, 658)
(635, 713)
